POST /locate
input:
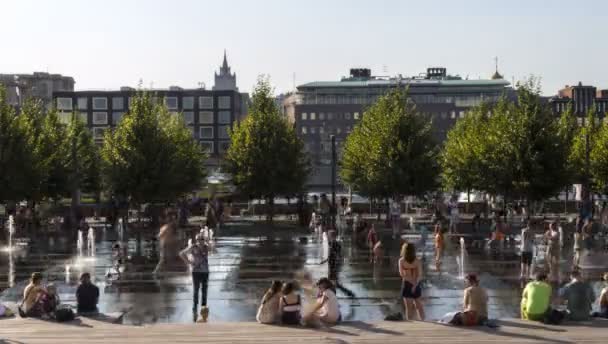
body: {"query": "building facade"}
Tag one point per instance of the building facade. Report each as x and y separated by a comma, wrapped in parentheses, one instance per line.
(321, 109)
(39, 85)
(208, 113)
(582, 99)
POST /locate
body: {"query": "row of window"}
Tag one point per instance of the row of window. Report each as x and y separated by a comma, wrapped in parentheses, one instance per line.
(101, 118)
(204, 132)
(460, 100)
(329, 116)
(323, 130)
(600, 107)
(209, 145)
(172, 103)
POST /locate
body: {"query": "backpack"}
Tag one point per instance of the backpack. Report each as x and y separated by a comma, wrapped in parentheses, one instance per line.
(554, 317)
(64, 314)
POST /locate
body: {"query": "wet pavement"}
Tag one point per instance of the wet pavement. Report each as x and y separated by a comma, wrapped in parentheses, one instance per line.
(243, 262)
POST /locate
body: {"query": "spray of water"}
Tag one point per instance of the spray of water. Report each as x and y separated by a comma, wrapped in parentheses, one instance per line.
(463, 253)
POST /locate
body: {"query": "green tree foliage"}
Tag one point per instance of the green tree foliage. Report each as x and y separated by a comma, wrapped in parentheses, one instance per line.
(520, 150)
(583, 141)
(83, 161)
(151, 155)
(391, 151)
(598, 152)
(266, 158)
(13, 153)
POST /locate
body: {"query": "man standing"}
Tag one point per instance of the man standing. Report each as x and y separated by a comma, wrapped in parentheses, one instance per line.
(579, 297)
(395, 211)
(196, 257)
(527, 248)
(333, 260)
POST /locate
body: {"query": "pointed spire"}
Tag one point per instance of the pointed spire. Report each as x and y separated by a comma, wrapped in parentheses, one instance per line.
(225, 63)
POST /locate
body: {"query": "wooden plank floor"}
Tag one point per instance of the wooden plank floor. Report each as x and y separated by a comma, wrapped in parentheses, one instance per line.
(84, 330)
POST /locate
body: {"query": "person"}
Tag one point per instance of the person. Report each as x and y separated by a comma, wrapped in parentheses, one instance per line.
(326, 310)
(603, 300)
(454, 215)
(227, 213)
(588, 234)
(378, 252)
(87, 295)
(395, 211)
(290, 305)
(325, 210)
(476, 223)
(527, 249)
(269, 310)
(32, 297)
(536, 299)
(439, 245)
(210, 215)
(372, 239)
(334, 260)
(410, 270)
(168, 248)
(196, 257)
(578, 246)
(497, 240)
(579, 297)
(475, 304)
(51, 299)
(553, 252)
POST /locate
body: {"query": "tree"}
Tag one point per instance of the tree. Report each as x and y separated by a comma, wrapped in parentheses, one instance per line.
(266, 158)
(151, 155)
(598, 154)
(583, 141)
(13, 153)
(514, 149)
(391, 151)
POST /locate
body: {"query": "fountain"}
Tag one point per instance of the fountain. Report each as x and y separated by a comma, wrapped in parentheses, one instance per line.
(80, 243)
(120, 230)
(463, 252)
(91, 242)
(11, 231)
(67, 274)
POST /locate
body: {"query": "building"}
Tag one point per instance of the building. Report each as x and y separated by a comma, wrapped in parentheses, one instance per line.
(225, 80)
(40, 85)
(208, 113)
(582, 99)
(323, 108)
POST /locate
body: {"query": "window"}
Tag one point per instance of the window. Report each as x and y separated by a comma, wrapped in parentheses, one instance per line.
(100, 103)
(206, 132)
(356, 115)
(223, 102)
(338, 130)
(321, 116)
(207, 146)
(189, 117)
(330, 116)
(118, 103)
(223, 117)
(222, 131)
(348, 129)
(304, 116)
(116, 117)
(130, 101)
(347, 115)
(223, 146)
(82, 103)
(205, 102)
(171, 103)
(84, 117)
(313, 116)
(444, 115)
(65, 117)
(188, 103)
(64, 104)
(313, 130)
(321, 130)
(460, 114)
(303, 130)
(99, 132)
(100, 118)
(205, 117)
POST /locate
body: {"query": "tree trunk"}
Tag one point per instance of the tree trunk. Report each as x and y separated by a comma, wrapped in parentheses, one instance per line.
(468, 200)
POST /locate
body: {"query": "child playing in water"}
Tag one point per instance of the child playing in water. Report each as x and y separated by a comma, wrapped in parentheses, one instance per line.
(439, 246)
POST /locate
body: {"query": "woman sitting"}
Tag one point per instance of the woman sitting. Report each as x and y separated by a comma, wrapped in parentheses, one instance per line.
(326, 311)
(51, 300)
(269, 310)
(603, 301)
(290, 305)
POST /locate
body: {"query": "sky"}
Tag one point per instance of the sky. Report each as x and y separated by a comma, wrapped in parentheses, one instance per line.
(112, 43)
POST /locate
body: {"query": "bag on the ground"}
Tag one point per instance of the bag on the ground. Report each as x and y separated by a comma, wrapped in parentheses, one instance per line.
(394, 317)
(554, 317)
(64, 314)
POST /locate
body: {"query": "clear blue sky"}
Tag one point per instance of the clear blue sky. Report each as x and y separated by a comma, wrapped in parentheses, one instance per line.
(110, 43)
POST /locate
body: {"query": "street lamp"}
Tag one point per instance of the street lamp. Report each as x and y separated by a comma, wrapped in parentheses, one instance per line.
(333, 178)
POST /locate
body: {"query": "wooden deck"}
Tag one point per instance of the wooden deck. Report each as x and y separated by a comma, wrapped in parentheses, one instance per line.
(16, 331)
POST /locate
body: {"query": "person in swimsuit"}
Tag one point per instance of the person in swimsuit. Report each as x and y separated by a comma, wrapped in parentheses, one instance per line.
(439, 246)
(552, 256)
(578, 246)
(410, 270)
(290, 305)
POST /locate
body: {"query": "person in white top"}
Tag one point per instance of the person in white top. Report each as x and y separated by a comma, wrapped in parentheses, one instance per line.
(527, 250)
(326, 310)
(395, 211)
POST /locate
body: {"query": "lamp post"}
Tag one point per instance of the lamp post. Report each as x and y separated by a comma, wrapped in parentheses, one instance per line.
(333, 179)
